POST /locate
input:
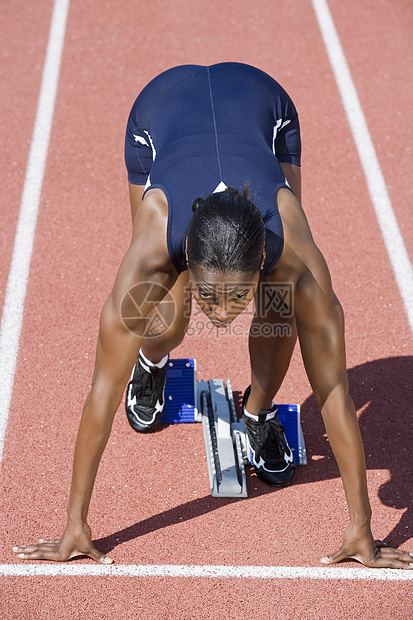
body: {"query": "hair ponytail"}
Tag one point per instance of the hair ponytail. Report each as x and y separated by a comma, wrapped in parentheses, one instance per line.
(226, 233)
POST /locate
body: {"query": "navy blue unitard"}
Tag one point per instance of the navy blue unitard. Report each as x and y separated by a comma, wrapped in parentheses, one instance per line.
(196, 130)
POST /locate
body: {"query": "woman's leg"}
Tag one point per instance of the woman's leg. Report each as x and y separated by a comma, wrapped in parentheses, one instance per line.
(168, 322)
(272, 339)
(166, 327)
(271, 343)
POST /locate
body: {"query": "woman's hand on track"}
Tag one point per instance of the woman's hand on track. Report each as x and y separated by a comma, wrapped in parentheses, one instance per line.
(360, 546)
(73, 543)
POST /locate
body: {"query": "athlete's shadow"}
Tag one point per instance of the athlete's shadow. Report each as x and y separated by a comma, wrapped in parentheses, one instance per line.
(382, 389)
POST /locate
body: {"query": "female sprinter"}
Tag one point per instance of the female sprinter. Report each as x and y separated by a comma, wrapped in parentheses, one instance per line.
(230, 135)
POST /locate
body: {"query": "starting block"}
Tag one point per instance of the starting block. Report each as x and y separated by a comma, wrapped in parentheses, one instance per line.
(226, 441)
(181, 393)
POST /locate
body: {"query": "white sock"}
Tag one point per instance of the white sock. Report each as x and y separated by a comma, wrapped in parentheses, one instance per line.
(160, 364)
(269, 415)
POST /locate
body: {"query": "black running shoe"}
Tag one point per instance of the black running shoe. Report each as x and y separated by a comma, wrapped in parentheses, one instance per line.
(145, 396)
(271, 456)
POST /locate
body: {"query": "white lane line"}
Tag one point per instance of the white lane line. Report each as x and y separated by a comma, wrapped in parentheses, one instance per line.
(376, 185)
(26, 226)
(218, 572)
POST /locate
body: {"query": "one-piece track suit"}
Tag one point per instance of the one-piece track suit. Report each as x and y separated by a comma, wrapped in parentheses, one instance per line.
(195, 130)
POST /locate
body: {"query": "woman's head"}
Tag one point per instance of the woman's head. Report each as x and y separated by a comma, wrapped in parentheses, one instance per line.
(226, 233)
(225, 252)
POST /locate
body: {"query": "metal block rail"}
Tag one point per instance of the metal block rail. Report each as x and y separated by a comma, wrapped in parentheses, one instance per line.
(226, 442)
(224, 447)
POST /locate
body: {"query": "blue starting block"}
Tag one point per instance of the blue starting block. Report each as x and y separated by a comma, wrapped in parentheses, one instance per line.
(290, 418)
(181, 393)
(226, 442)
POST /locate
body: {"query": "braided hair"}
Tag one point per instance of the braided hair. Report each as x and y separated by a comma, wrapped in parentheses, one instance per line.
(226, 233)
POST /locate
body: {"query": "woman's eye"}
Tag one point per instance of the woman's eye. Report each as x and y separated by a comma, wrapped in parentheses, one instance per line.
(204, 294)
(240, 296)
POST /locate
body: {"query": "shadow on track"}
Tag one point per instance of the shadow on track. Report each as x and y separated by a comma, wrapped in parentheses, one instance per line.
(383, 391)
(179, 514)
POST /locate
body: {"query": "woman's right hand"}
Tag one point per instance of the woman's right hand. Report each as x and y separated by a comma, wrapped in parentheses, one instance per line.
(75, 541)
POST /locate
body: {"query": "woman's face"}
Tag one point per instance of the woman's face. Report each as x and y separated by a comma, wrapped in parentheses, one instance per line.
(222, 296)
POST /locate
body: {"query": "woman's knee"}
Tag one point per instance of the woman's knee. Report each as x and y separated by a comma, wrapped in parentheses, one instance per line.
(168, 322)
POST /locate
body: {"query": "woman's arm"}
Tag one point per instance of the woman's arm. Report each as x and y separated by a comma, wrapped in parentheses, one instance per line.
(293, 175)
(320, 326)
(135, 197)
(116, 354)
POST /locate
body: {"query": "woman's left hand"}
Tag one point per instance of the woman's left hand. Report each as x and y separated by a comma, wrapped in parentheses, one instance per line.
(358, 544)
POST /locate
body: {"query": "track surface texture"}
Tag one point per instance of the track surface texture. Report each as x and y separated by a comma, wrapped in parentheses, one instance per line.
(152, 503)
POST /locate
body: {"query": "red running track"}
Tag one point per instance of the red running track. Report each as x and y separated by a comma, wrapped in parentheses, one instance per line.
(151, 504)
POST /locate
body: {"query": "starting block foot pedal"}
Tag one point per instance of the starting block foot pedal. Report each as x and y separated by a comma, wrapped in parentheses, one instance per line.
(180, 392)
(290, 418)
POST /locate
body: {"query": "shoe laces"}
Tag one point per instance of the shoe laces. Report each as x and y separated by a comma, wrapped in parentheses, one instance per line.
(145, 389)
(270, 435)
